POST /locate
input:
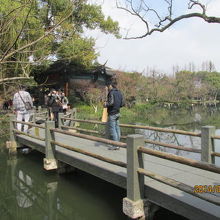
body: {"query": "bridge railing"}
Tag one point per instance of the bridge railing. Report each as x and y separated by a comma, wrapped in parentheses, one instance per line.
(41, 115)
(207, 136)
(50, 160)
(69, 121)
(12, 145)
(50, 142)
(88, 137)
(133, 204)
(136, 172)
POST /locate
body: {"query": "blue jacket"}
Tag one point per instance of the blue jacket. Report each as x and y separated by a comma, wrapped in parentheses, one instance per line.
(114, 101)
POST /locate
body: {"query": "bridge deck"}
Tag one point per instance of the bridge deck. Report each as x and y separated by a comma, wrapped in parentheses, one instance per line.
(159, 193)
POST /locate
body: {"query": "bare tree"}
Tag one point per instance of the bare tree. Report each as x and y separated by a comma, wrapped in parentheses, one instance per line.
(208, 66)
(158, 16)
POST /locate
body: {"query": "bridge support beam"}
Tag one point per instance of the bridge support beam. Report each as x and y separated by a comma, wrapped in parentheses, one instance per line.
(133, 204)
(50, 163)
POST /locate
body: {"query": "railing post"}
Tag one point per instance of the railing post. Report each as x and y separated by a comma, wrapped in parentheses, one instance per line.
(12, 144)
(73, 116)
(60, 121)
(207, 144)
(133, 205)
(39, 108)
(50, 162)
(34, 116)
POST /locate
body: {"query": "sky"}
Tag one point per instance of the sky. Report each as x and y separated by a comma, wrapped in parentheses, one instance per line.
(189, 41)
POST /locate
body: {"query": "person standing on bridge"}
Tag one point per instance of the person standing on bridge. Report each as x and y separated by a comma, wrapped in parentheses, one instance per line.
(65, 102)
(113, 104)
(55, 105)
(22, 104)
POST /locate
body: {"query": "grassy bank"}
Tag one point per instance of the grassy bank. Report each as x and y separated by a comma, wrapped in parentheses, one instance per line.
(139, 113)
(158, 116)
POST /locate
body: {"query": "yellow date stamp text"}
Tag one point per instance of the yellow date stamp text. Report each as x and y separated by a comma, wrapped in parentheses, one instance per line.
(206, 189)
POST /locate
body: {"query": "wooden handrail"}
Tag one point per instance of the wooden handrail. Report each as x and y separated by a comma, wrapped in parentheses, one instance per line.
(216, 137)
(173, 146)
(183, 148)
(88, 131)
(139, 127)
(161, 129)
(179, 159)
(216, 154)
(40, 113)
(105, 159)
(81, 129)
(84, 121)
(146, 141)
(66, 115)
(29, 123)
(29, 135)
(178, 185)
(90, 137)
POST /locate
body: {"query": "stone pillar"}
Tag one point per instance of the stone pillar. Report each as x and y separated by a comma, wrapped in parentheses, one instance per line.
(50, 163)
(133, 204)
(34, 116)
(39, 108)
(73, 116)
(207, 144)
(60, 121)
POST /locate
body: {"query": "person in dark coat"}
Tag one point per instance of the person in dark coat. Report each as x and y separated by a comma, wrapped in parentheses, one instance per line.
(114, 102)
(55, 105)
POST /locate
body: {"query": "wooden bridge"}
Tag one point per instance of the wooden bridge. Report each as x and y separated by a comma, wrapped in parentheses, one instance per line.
(152, 178)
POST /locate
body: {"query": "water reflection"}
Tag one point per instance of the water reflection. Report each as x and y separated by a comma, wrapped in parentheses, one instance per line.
(25, 197)
(188, 119)
(175, 139)
(29, 192)
(178, 140)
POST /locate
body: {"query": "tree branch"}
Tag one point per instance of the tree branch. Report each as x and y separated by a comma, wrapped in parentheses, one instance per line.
(19, 34)
(167, 21)
(14, 78)
(46, 34)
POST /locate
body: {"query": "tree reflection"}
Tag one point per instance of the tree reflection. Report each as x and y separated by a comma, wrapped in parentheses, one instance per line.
(171, 138)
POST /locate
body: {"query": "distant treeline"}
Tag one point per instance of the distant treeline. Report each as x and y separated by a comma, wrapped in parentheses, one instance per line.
(184, 87)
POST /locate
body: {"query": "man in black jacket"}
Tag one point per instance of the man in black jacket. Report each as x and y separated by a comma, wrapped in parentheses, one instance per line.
(54, 104)
(114, 102)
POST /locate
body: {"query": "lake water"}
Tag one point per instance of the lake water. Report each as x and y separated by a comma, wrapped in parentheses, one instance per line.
(27, 191)
(187, 120)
